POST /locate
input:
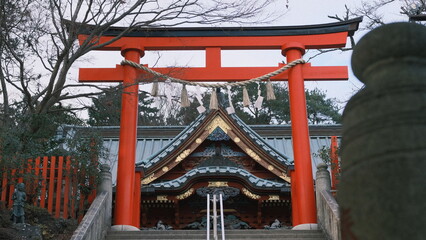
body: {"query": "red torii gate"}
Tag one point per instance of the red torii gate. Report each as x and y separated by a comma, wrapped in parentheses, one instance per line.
(292, 41)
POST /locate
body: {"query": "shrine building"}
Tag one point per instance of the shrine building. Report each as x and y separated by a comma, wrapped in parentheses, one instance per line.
(252, 164)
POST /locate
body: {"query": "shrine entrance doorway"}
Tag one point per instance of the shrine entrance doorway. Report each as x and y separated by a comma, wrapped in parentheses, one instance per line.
(240, 211)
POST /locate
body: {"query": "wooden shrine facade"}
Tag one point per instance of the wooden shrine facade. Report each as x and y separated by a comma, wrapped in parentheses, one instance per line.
(216, 152)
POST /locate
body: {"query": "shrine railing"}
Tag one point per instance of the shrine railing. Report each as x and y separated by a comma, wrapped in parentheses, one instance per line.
(54, 183)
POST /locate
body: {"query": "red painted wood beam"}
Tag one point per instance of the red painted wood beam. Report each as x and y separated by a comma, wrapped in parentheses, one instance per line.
(294, 200)
(306, 208)
(334, 162)
(127, 146)
(137, 200)
(318, 41)
(217, 74)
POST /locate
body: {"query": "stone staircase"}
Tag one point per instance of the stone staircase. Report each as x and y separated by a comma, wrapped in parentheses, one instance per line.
(229, 234)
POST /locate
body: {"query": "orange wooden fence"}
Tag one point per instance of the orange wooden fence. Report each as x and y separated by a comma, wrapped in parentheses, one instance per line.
(51, 183)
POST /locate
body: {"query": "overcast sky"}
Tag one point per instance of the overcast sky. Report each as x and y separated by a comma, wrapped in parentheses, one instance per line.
(299, 13)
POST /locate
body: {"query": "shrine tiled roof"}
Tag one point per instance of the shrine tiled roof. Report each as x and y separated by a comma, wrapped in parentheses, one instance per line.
(181, 137)
(151, 140)
(280, 156)
(172, 145)
(216, 171)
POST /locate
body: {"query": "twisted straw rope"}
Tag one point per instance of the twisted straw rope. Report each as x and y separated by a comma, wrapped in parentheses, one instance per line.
(215, 85)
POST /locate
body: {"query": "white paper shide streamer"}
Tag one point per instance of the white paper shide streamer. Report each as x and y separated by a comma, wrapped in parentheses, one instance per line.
(199, 98)
(231, 108)
(259, 101)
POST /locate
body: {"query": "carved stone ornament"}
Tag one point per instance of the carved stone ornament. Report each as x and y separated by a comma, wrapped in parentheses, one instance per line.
(19, 197)
(226, 192)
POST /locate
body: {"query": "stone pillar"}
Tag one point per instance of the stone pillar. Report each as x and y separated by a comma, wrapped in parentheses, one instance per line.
(382, 190)
(106, 179)
(106, 186)
(323, 183)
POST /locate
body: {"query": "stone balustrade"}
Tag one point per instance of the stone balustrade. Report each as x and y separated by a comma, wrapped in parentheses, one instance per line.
(97, 220)
(327, 207)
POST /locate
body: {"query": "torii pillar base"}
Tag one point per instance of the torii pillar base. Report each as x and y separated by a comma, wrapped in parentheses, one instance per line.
(124, 228)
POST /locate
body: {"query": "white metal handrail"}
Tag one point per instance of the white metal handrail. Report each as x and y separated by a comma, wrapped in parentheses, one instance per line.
(208, 216)
(222, 220)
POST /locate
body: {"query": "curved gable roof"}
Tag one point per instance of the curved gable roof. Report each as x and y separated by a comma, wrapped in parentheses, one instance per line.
(261, 142)
(192, 136)
(182, 181)
(172, 145)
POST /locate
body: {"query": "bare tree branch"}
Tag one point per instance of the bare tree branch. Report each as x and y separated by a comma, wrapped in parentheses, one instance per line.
(40, 37)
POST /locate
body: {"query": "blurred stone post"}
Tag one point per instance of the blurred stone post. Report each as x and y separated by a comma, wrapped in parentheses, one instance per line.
(322, 183)
(382, 191)
(106, 186)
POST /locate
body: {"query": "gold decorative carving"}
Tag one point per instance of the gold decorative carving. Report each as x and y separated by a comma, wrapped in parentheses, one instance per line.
(198, 140)
(253, 155)
(165, 169)
(183, 155)
(148, 179)
(218, 184)
(285, 177)
(273, 197)
(185, 194)
(237, 139)
(162, 198)
(270, 167)
(250, 194)
(218, 122)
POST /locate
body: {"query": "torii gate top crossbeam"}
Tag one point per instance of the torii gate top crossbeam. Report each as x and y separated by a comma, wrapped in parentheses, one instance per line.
(213, 40)
(330, 35)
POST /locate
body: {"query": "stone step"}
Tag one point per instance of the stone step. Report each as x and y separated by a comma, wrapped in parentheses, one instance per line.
(226, 237)
(229, 234)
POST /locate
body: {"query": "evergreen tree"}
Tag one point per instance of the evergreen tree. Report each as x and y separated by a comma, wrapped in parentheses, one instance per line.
(320, 109)
(106, 109)
(272, 112)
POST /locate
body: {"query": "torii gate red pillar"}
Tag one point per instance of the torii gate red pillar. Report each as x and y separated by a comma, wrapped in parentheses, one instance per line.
(299, 120)
(127, 146)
